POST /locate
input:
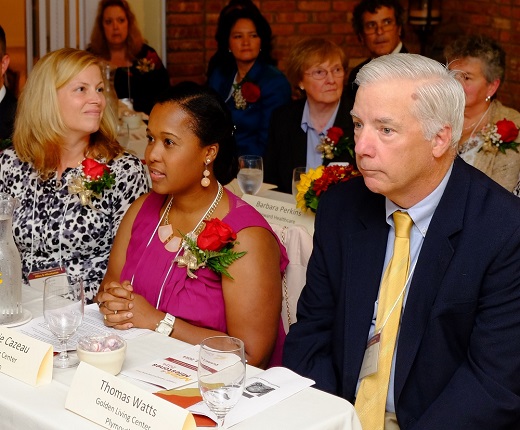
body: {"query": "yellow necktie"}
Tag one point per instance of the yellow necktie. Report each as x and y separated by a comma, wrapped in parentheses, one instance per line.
(373, 390)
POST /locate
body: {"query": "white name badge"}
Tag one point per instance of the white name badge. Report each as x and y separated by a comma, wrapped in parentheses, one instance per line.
(281, 213)
(114, 403)
(24, 358)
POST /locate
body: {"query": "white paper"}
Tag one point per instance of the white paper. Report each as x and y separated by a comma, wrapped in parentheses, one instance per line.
(172, 372)
(261, 391)
(92, 325)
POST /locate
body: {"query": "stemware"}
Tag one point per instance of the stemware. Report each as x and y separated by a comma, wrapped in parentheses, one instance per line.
(63, 307)
(251, 173)
(297, 171)
(221, 373)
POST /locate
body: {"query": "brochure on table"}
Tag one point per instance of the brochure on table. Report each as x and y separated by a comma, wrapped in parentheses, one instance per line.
(171, 372)
(261, 391)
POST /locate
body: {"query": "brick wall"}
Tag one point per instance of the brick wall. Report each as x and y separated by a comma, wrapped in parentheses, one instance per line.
(191, 28)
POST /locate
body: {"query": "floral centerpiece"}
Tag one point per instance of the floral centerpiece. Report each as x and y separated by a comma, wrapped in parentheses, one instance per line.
(316, 181)
(244, 93)
(500, 136)
(335, 143)
(95, 177)
(212, 248)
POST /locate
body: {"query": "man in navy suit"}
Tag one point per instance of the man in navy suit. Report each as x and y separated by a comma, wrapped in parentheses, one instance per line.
(456, 362)
(7, 99)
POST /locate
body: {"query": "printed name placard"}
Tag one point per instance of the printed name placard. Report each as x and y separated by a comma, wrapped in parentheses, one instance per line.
(115, 403)
(24, 358)
(281, 213)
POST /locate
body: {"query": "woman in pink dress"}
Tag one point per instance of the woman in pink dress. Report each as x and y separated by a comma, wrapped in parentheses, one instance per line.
(156, 277)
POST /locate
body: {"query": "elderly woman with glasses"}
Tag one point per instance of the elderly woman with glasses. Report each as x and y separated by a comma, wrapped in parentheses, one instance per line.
(303, 132)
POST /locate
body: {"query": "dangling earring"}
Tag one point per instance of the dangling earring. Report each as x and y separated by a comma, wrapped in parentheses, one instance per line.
(205, 180)
(488, 99)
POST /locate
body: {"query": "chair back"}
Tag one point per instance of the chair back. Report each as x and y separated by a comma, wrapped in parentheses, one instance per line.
(298, 243)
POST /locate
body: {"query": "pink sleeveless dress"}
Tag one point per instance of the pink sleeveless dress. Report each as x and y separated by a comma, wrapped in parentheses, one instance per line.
(198, 301)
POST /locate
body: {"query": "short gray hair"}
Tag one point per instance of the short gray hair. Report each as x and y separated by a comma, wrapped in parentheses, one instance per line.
(440, 98)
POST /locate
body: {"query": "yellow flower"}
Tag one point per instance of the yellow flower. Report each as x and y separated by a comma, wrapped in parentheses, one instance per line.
(306, 180)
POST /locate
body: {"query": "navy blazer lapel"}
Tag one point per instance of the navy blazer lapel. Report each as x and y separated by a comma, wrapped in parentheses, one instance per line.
(434, 258)
(364, 265)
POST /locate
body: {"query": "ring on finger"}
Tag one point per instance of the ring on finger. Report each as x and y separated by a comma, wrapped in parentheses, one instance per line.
(115, 312)
(105, 317)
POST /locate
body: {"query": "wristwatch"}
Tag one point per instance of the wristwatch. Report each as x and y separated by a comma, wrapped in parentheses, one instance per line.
(165, 326)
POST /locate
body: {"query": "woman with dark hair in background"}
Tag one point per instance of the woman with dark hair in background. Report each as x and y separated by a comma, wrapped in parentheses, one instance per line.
(139, 72)
(157, 278)
(246, 77)
(490, 135)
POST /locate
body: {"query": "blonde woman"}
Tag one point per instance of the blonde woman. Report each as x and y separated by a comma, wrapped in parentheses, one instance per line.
(73, 180)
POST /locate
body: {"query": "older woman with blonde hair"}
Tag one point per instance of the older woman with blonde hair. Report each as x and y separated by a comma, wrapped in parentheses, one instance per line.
(73, 180)
(316, 69)
(139, 73)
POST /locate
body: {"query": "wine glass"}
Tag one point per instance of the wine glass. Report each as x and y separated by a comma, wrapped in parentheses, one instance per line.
(251, 173)
(221, 373)
(63, 303)
(297, 171)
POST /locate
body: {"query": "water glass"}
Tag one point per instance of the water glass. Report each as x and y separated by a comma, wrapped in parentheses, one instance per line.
(221, 374)
(63, 307)
(251, 173)
(297, 171)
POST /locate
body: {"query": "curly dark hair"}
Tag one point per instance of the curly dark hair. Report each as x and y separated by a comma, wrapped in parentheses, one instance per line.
(210, 121)
(223, 58)
(371, 6)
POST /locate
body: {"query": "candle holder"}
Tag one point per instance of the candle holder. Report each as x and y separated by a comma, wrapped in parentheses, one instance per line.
(424, 15)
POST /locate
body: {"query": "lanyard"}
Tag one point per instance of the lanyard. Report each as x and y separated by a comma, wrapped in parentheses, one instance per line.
(380, 329)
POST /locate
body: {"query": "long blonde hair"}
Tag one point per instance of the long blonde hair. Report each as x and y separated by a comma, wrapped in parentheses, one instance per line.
(39, 127)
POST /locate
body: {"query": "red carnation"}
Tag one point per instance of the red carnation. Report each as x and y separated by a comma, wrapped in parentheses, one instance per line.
(334, 134)
(153, 58)
(507, 130)
(250, 92)
(215, 235)
(93, 169)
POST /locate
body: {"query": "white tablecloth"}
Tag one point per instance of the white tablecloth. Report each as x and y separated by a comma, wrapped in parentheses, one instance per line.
(42, 408)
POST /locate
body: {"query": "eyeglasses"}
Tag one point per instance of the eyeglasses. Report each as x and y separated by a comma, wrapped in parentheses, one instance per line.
(320, 74)
(372, 27)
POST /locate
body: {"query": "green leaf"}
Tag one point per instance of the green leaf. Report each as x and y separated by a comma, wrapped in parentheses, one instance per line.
(106, 182)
